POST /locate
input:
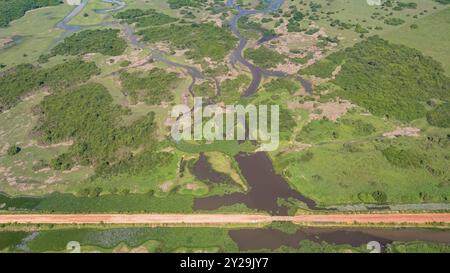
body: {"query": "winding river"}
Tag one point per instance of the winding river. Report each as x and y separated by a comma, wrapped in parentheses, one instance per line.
(266, 187)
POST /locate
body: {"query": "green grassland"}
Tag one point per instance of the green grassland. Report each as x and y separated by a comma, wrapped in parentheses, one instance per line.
(406, 170)
(11, 11)
(432, 36)
(88, 17)
(36, 41)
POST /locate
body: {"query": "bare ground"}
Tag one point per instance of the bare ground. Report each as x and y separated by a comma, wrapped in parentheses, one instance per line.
(385, 218)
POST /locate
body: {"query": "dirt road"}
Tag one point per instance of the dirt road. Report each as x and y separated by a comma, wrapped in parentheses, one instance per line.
(218, 219)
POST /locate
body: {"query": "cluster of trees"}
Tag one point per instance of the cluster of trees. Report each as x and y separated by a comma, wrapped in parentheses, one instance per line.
(404, 158)
(177, 4)
(23, 79)
(104, 41)
(245, 24)
(151, 87)
(231, 89)
(388, 79)
(14, 9)
(394, 21)
(324, 130)
(87, 116)
(282, 85)
(205, 90)
(264, 57)
(145, 18)
(202, 40)
(143, 163)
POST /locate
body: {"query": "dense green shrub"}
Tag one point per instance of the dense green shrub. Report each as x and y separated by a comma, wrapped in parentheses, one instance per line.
(13, 150)
(402, 158)
(380, 197)
(264, 57)
(176, 4)
(88, 116)
(202, 40)
(387, 79)
(145, 18)
(440, 116)
(282, 85)
(24, 78)
(205, 90)
(104, 41)
(394, 21)
(325, 67)
(151, 87)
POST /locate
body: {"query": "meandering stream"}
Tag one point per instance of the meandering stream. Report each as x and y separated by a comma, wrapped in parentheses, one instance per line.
(266, 187)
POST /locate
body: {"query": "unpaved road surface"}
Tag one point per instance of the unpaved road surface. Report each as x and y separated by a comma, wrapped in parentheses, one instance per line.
(155, 219)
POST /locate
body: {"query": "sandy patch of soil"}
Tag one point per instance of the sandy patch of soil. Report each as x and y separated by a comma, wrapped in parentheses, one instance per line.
(5, 42)
(406, 131)
(166, 186)
(307, 105)
(289, 67)
(299, 40)
(74, 169)
(192, 186)
(332, 110)
(140, 249)
(61, 144)
(53, 179)
(329, 110)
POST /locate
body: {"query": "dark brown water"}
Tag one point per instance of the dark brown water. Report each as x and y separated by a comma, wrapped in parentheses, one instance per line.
(266, 187)
(254, 239)
(203, 171)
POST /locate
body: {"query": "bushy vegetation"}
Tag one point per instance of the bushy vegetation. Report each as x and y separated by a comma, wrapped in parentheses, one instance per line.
(264, 57)
(13, 150)
(231, 89)
(145, 18)
(394, 21)
(325, 67)
(387, 79)
(324, 130)
(440, 116)
(104, 41)
(418, 247)
(162, 239)
(25, 78)
(202, 40)
(403, 158)
(143, 163)
(244, 24)
(121, 202)
(282, 85)
(14, 9)
(151, 87)
(205, 90)
(177, 4)
(88, 116)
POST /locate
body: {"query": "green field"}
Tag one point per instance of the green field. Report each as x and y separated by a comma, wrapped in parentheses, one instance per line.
(432, 37)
